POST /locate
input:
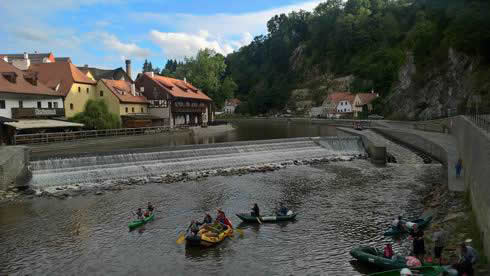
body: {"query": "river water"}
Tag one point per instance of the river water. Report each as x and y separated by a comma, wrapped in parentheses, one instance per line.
(339, 205)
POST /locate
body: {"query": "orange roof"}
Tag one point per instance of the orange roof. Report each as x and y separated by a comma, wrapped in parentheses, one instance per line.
(21, 85)
(122, 90)
(179, 88)
(63, 73)
(336, 97)
(367, 98)
(234, 102)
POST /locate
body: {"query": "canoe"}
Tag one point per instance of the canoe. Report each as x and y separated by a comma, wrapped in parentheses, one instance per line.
(421, 222)
(272, 218)
(373, 256)
(137, 223)
(423, 270)
(207, 238)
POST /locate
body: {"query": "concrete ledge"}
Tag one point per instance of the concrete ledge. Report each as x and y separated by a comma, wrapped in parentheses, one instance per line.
(14, 166)
(377, 152)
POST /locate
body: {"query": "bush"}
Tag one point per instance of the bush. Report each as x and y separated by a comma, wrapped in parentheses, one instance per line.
(97, 116)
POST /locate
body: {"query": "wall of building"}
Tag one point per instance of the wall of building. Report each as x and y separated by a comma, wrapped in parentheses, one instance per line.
(474, 148)
(344, 106)
(133, 108)
(79, 98)
(28, 101)
(13, 166)
(110, 99)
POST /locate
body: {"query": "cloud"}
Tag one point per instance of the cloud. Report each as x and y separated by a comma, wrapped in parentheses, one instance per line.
(110, 41)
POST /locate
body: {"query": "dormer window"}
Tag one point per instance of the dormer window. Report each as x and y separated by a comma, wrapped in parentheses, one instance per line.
(10, 76)
(31, 78)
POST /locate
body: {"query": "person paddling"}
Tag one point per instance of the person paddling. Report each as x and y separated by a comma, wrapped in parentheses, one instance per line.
(222, 219)
(150, 208)
(139, 214)
(207, 219)
(283, 211)
(256, 210)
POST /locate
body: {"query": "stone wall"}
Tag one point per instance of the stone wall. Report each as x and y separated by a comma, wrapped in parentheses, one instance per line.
(377, 152)
(13, 166)
(474, 147)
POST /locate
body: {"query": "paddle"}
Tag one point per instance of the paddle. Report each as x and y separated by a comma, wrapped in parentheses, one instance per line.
(181, 238)
(260, 222)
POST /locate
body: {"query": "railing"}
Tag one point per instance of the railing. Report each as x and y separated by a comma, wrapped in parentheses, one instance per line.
(481, 120)
(44, 138)
(188, 109)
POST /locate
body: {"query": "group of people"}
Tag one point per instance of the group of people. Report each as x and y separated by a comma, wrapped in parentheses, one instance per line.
(142, 215)
(468, 255)
(221, 223)
(281, 211)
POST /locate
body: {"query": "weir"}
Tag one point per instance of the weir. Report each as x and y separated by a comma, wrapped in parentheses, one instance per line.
(138, 163)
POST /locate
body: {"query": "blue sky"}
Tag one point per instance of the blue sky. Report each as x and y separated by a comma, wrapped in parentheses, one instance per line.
(103, 33)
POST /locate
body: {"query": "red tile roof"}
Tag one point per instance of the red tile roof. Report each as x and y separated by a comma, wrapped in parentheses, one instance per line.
(234, 102)
(367, 98)
(21, 85)
(118, 86)
(179, 88)
(336, 97)
(63, 73)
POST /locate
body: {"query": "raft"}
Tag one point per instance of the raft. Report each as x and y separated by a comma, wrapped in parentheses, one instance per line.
(373, 256)
(423, 270)
(272, 218)
(206, 237)
(421, 223)
(137, 223)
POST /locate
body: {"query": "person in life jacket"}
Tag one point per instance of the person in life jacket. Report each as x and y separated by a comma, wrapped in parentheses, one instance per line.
(222, 219)
(388, 252)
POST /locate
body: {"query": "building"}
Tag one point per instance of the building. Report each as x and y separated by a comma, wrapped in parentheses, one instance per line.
(26, 104)
(338, 104)
(231, 105)
(363, 101)
(175, 100)
(108, 74)
(25, 60)
(123, 99)
(69, 82)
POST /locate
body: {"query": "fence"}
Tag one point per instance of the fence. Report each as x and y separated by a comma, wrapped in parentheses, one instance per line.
(481, 120)
(44, 138)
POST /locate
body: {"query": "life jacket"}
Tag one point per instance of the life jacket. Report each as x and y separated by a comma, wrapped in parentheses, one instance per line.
(388, 253)
(227, 222)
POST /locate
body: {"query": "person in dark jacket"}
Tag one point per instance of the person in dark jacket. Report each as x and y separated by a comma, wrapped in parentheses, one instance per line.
(283, 211)
(150, 208)
(256, 210)
(418, 242)
(468, 260)
(139, 213)
(207, 219)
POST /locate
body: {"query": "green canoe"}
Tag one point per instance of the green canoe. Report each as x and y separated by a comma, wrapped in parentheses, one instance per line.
(423, 270)
(247, 217)
(421, 223)
(137, 223)
(373, 256)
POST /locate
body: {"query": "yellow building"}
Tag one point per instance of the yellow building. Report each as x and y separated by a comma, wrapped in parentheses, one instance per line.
(121, 97)
(71, 83)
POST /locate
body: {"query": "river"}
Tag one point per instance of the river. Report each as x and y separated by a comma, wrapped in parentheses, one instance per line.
(339, 205)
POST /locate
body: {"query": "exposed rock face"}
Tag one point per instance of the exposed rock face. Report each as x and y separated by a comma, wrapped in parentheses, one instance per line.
(437, 92)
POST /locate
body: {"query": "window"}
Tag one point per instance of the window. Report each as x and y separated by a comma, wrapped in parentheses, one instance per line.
(39, 105)
(132, 109)
(2, 104)
(71, 106)
(55, 104)
(79, 89)
(126, 110)
(142, 110)
(101, 93)
(21, 104)
(87, 90)
(50, 105)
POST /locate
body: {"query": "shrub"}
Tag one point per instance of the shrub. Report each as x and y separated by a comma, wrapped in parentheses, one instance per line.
(97, 116)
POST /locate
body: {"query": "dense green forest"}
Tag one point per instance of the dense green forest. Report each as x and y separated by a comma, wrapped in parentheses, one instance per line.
(366, 38)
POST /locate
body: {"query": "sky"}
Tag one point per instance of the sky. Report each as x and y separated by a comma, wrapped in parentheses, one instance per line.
(103, 33)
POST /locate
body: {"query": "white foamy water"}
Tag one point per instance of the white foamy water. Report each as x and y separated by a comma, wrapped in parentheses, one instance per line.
(96, 169)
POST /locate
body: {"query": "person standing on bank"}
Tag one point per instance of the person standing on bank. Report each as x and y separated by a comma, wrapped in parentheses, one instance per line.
(459, 167)
(418, 242)
(439, 237)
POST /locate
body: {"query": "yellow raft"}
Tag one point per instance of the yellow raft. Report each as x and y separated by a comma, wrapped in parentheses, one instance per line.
(206, 237)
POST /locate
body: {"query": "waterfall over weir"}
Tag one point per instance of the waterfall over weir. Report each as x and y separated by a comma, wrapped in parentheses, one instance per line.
(96, 169)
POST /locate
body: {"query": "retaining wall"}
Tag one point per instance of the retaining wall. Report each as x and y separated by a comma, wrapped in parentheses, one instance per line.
(474, 147)
(377, 152)
(13, 166)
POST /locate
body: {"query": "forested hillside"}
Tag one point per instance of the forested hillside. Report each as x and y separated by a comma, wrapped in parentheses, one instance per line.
(375, 41)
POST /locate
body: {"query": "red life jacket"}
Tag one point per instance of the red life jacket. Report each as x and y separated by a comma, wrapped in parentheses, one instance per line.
(228, 222)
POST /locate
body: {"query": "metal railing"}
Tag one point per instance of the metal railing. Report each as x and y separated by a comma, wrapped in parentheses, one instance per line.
(44, 138)
(481, 120)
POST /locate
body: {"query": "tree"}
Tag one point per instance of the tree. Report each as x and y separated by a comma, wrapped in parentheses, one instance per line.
(97, 116)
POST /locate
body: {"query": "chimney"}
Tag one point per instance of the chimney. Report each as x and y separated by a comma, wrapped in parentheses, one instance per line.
(86, 66)
(185, 79)
(142, 89)
(128, 67)
(133, 89)
(26, 55)
(152, 74)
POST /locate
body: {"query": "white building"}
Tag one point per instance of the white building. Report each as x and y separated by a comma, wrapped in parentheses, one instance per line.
(344, 106)
(231, 105)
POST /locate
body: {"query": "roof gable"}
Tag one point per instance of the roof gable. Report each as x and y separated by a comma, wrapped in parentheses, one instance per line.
(178, 88)
(122, 90)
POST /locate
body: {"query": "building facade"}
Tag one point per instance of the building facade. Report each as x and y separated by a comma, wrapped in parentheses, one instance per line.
(363, 101)
(338, 104)
(175, 100)
(231, 105)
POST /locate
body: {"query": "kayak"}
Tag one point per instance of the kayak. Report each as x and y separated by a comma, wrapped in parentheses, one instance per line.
(272, 218)
(421, 223)
(206, 237)
(374, 256)
(137, 223)
(423, 270)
